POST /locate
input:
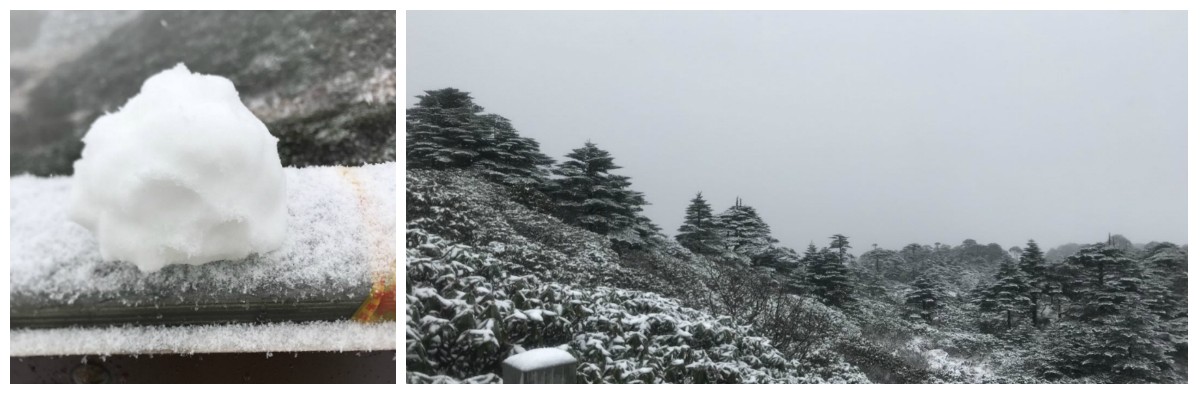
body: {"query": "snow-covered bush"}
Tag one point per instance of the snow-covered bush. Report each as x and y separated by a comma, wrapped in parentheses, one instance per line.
(490, 291)
(465, 314)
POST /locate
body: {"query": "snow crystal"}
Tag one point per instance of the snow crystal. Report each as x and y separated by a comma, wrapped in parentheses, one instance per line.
(539, 358)
(338, 336)
(341, 224)
(183, 173)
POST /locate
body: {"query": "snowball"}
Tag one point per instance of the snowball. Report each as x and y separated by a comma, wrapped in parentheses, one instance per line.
(182, 174)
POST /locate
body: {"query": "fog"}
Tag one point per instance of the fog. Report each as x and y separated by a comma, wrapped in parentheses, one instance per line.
(888, 127)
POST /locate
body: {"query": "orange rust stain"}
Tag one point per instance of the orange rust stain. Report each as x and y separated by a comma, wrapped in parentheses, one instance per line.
(380, 304)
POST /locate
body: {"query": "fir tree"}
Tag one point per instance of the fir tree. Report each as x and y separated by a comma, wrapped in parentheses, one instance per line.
(1101, 278)
(840, 244)
(743, 232)
(1033, 266)
(443, 130)
(1111, 331)
(589, 196)
(1008, 295)
(446, 129)
(699, 232)
(882, 261)
(508, 157)
(781, 260)
(926, 297)
(828, 278)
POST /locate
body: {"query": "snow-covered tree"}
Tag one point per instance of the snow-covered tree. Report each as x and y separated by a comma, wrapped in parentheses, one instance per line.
(588, 195)
(446, 129)
(881, 261)
(827, 277)
(1110, 331)
(926, 297)
(840, 244)
(699, 232)
(443, 130)
(1101, 278)
(509, 158)
(1008, 295)
(744, 232)
(1033, 267)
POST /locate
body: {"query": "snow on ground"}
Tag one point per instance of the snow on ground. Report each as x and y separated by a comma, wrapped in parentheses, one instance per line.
(340, 221)
(940, 360)
(339, 336)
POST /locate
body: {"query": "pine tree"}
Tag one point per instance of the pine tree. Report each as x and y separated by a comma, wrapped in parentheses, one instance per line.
(840, 244)
(828, 278)
(589, 196)
(442, 130)
(743, 232)
(1111, 331)
(926, 297)
(796, 280)
(699, 232)
(446, 129)
(509, 158)
(1033, 266)
(1008, 295)
(1101, 278)
(882, 261)
(780, 260)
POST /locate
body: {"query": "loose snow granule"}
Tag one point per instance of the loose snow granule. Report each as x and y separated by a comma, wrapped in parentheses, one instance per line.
(183, 173)
(278, 337)
(327, 251)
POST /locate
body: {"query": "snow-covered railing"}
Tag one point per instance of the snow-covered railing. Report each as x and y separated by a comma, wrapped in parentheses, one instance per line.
(540, 366)
(340, 239)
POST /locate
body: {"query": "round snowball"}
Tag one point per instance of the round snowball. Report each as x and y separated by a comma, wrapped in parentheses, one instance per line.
(184, 173)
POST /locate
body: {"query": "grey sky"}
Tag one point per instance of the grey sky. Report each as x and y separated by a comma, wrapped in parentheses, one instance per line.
(889, 127)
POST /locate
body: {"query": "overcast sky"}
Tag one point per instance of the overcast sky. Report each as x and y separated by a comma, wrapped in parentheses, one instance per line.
(889, 127)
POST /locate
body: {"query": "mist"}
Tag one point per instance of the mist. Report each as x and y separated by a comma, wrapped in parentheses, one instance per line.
(888, 127)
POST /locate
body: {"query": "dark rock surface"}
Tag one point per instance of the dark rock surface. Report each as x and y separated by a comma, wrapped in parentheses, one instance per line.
(322, 81)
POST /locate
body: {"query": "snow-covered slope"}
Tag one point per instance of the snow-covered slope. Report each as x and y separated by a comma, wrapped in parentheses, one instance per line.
(488, 277)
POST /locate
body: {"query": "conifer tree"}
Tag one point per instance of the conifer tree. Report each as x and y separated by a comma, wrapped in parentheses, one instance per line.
(828, 278)
(588, 195)
(1111, 331)
(1008, 295)
(926, 297)
(1033, 267)
(446, 129)
(743, 232)
(1101, 278)
(443, 130)
(840, 244)
(699, 232)
(509, 158)
(783, 261)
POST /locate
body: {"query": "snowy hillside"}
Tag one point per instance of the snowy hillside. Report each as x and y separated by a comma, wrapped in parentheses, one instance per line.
(488, 278)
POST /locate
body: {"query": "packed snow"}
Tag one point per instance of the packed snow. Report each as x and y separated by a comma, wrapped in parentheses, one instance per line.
(341, 225)
(539, 358)
(338, 336)
(183, 173)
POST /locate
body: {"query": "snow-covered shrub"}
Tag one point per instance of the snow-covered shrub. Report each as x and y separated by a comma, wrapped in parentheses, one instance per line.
(503, 279)
(465, 314)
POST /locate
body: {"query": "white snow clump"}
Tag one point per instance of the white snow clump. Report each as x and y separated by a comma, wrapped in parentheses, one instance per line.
(184, 173)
